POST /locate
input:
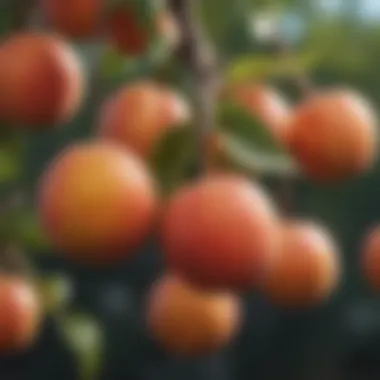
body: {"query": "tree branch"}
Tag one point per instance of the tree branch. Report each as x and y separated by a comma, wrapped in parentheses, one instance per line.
(199, 57)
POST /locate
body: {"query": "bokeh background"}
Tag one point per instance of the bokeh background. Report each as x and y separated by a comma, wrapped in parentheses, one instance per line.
(338, 42)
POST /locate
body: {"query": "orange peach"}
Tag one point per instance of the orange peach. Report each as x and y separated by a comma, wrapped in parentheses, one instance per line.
(333, 135)
(189, 322)
(41, 80)
(96, 202)
(370, 258)
(73, 18)
(307, 269)
(220, 232)
(139, 115)
(20, 318)
(129, 35)
(265, 104)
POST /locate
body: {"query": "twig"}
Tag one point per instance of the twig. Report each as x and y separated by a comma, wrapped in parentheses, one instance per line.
(200, 59)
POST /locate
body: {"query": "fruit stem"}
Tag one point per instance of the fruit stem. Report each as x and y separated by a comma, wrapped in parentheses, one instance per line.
(200, 58)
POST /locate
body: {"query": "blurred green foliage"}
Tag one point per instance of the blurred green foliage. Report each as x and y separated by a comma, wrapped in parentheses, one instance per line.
(174, 158)
(84, 338)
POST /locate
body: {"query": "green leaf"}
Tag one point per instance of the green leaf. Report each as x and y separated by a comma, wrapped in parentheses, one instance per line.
(11, 156)
(27, 230)
(254, 67)
(252, 161)
(56, 292)
(250, 146)
(85, 339)
(174, 158)
(236, 120)
(116, 68)
(10, 166)
(114, 65)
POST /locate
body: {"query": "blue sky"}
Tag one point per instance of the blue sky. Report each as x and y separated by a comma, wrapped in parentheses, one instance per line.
(368, 8)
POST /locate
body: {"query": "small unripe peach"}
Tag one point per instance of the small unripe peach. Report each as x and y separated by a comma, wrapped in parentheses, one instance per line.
(96, 202)
(41, 80)
(307, 270)
(333, 135)
(73, 18)
(220, 232)
(20, 319)
(265, 104)
(370, 258)
(187, 321)
(139, 115)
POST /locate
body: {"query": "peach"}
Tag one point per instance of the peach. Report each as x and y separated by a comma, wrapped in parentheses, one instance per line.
(333, 135)
(21, 316)
(189, 322)
(370, 258)
(73, 18)
(129, 35)
(265, 104)
(220, 232)
(96, 202)
(139, 115)
(307, 269)
(41, 80)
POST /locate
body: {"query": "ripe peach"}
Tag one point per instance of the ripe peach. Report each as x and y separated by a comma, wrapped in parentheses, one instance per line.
(220, 232)
(307, 269)
(138, 115)
(41, 80)
(73, 18)
(333, 135)
(370, 259)
(21, 314)
(96, 202)
(129, 34)
(266, 105)
(189, 322)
